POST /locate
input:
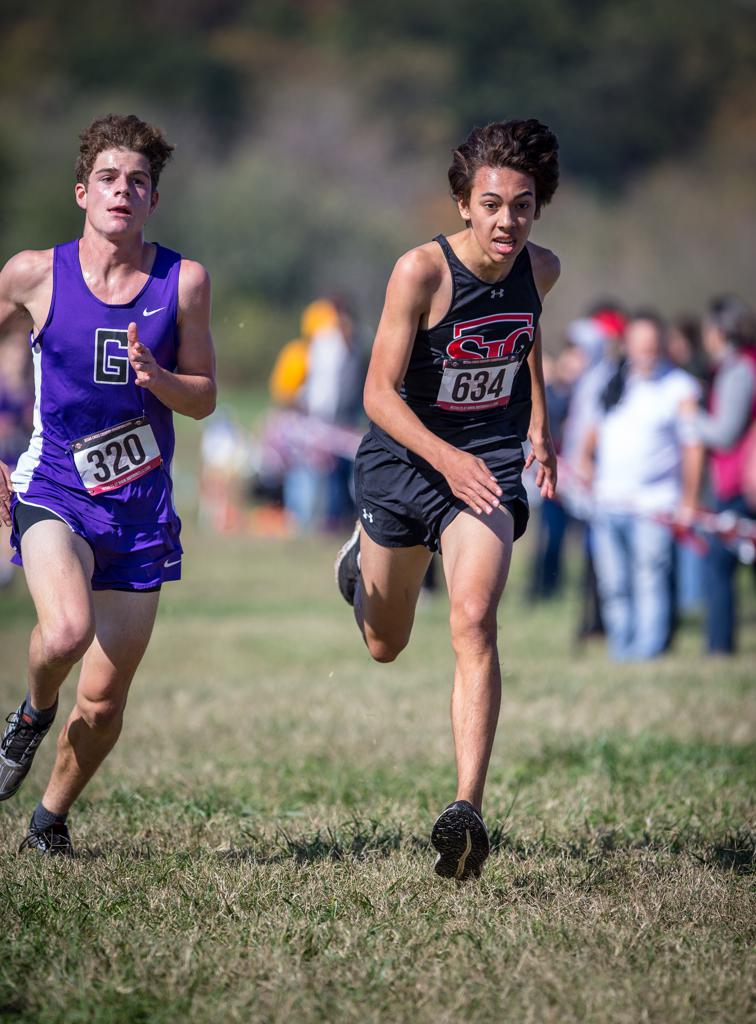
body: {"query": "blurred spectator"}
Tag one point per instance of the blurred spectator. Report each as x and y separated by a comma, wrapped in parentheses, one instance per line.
(728, 431)
(333, 394)
(647, 467)
(551, 516)
(600, 336)
(289, 372)
(600, 356)
(226, 461)
(289, 386)
(16, 421)
(321, 376)
(685, 349)
(685, 346)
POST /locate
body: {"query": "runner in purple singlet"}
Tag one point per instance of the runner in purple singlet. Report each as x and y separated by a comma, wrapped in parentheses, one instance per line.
(455, 385)
(120, 340)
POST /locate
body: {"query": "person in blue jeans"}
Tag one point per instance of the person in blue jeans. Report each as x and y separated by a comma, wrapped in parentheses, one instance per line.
(647, 468)
(729, 337)
(634, 557)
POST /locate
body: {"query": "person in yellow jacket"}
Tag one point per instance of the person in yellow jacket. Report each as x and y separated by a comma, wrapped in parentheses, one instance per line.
(290, 368)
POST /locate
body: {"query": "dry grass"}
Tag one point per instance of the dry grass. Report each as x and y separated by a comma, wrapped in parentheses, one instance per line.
(256, 847)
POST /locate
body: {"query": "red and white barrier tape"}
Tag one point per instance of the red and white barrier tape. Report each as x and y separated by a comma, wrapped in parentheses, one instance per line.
(737, 532)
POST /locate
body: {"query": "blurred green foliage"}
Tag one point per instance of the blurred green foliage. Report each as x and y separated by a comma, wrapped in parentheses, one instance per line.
(313, 136)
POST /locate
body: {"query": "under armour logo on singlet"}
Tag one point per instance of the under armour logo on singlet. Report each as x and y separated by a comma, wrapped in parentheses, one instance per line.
(497, 293)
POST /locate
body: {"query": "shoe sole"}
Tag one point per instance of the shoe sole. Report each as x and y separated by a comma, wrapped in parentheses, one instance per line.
(58, 849)
(340, 559)
(461, 839)
(7, 771)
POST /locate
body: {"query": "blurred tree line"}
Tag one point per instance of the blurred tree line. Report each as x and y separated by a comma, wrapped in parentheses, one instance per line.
(313, 138)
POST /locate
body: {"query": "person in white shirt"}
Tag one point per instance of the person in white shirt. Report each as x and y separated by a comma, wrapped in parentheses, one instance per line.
(647, 469)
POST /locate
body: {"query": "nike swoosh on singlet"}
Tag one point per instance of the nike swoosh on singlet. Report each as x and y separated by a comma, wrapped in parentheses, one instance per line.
(151, 312)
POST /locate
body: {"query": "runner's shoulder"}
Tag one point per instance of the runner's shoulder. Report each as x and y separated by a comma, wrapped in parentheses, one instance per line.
(420, 269)
(546, 267)
(194, 284)
(25, 272)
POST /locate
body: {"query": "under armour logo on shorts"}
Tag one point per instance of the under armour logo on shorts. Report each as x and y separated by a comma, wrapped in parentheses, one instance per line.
(367, 515)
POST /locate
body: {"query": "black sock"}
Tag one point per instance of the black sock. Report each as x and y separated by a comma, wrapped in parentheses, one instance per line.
(39, 719)
(42, 818)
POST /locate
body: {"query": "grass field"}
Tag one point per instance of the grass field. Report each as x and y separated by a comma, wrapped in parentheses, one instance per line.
(256, 847)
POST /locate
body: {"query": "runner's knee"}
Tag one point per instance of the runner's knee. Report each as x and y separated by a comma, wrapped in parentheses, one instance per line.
(385, 648)
(472, 620)
(67, 639)
(102, 712)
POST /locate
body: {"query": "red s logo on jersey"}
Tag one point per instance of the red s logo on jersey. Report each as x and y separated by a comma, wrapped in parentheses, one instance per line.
(482, 338)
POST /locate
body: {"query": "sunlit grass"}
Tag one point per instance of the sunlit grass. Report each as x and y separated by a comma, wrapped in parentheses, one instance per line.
(256, 847)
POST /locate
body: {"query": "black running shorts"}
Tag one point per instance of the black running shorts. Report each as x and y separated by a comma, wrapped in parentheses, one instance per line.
(404, 503)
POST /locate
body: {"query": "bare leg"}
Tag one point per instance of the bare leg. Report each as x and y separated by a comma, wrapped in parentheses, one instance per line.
(476, 557)
(124, 626)
(58, 566)
(387, 594)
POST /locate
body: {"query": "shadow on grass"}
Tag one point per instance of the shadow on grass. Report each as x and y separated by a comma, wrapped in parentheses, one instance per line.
(354, 841)
(11, 1011)
(735, 852)
(732, 851)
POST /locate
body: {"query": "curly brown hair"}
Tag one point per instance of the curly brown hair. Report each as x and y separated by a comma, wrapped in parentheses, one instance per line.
(526, 146)
(122, 131)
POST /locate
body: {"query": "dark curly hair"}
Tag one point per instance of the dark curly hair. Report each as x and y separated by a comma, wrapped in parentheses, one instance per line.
(122, 131)
(526, 146)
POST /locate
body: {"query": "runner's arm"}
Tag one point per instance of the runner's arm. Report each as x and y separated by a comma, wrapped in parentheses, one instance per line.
(22, 279)
(546, 271)
(191, 390)
(542, 447)
(6, 490)
(11, 315)
(410, 289)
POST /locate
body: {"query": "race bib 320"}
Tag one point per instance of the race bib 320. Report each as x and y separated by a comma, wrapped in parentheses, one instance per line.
(111, 458)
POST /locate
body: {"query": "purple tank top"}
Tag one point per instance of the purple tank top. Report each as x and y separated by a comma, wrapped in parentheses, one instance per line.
(84, 385)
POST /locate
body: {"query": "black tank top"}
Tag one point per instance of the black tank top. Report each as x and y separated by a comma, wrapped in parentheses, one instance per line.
(467, 379)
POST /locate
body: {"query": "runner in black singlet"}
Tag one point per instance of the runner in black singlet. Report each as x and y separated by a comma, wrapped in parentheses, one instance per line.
(455, 386)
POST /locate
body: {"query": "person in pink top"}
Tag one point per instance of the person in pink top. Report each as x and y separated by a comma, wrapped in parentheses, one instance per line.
(727, 430)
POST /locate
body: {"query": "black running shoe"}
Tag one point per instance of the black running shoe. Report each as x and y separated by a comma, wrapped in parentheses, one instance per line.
(17, 749)
(54, 841)
(347, 566)
(461, 838)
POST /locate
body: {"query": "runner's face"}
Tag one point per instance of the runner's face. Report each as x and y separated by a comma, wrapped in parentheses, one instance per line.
(501, 211)
(118, 197)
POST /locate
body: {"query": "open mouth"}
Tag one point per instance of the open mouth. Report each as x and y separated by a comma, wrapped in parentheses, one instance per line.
(504, 245)
(124, 211)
